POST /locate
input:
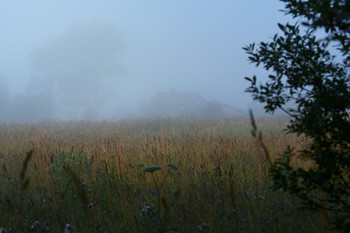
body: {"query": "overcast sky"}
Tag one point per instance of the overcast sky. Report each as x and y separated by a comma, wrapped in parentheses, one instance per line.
(163, 45)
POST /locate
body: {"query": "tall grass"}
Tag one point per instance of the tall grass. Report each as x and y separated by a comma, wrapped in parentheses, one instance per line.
(96, 177)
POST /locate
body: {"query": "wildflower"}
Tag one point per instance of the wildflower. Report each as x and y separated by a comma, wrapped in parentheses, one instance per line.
(35, 225)
(83, 185)
(203, 227)
(147, 210)
(90, 206)
(68, 228)
(38, 225)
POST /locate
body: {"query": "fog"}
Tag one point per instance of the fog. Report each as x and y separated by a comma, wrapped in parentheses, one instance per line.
(93, 60)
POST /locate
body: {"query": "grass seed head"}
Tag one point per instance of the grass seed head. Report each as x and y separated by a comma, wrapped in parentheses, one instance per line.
(173, 166)
(152, 169)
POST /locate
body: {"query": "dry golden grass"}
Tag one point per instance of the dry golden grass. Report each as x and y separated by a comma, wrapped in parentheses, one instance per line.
(213, 177)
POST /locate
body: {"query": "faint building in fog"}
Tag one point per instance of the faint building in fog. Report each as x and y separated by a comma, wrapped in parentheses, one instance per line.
(187, 104)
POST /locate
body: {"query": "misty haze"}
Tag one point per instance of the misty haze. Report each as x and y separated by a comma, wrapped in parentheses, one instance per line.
(83, 60)
(133, 116)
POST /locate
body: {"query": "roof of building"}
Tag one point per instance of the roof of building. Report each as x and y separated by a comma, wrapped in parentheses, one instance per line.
(187, 104)
(178, 100)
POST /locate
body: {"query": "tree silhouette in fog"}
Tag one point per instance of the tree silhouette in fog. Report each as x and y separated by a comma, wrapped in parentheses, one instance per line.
(75, 65)
(312, 72)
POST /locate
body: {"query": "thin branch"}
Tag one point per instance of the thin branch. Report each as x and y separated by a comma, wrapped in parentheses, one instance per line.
(289, 113)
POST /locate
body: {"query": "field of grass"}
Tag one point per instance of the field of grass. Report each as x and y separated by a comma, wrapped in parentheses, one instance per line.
(96, 177)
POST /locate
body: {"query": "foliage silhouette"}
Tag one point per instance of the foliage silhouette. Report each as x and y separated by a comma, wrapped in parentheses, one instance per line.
(310, 74)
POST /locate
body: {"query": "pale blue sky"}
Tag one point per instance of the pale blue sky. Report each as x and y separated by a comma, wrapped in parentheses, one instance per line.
(180, 44)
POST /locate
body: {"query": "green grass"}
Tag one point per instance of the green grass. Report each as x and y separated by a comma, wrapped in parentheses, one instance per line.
(93, 176)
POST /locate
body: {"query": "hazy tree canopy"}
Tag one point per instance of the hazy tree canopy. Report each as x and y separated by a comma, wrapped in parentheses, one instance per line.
(75, 65)
(307, 71)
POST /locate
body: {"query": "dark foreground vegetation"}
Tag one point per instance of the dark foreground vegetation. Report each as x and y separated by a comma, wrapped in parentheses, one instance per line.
(309, 79)
(147, 176)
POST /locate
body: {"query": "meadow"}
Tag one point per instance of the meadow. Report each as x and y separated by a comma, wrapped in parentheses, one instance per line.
(155, 175)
